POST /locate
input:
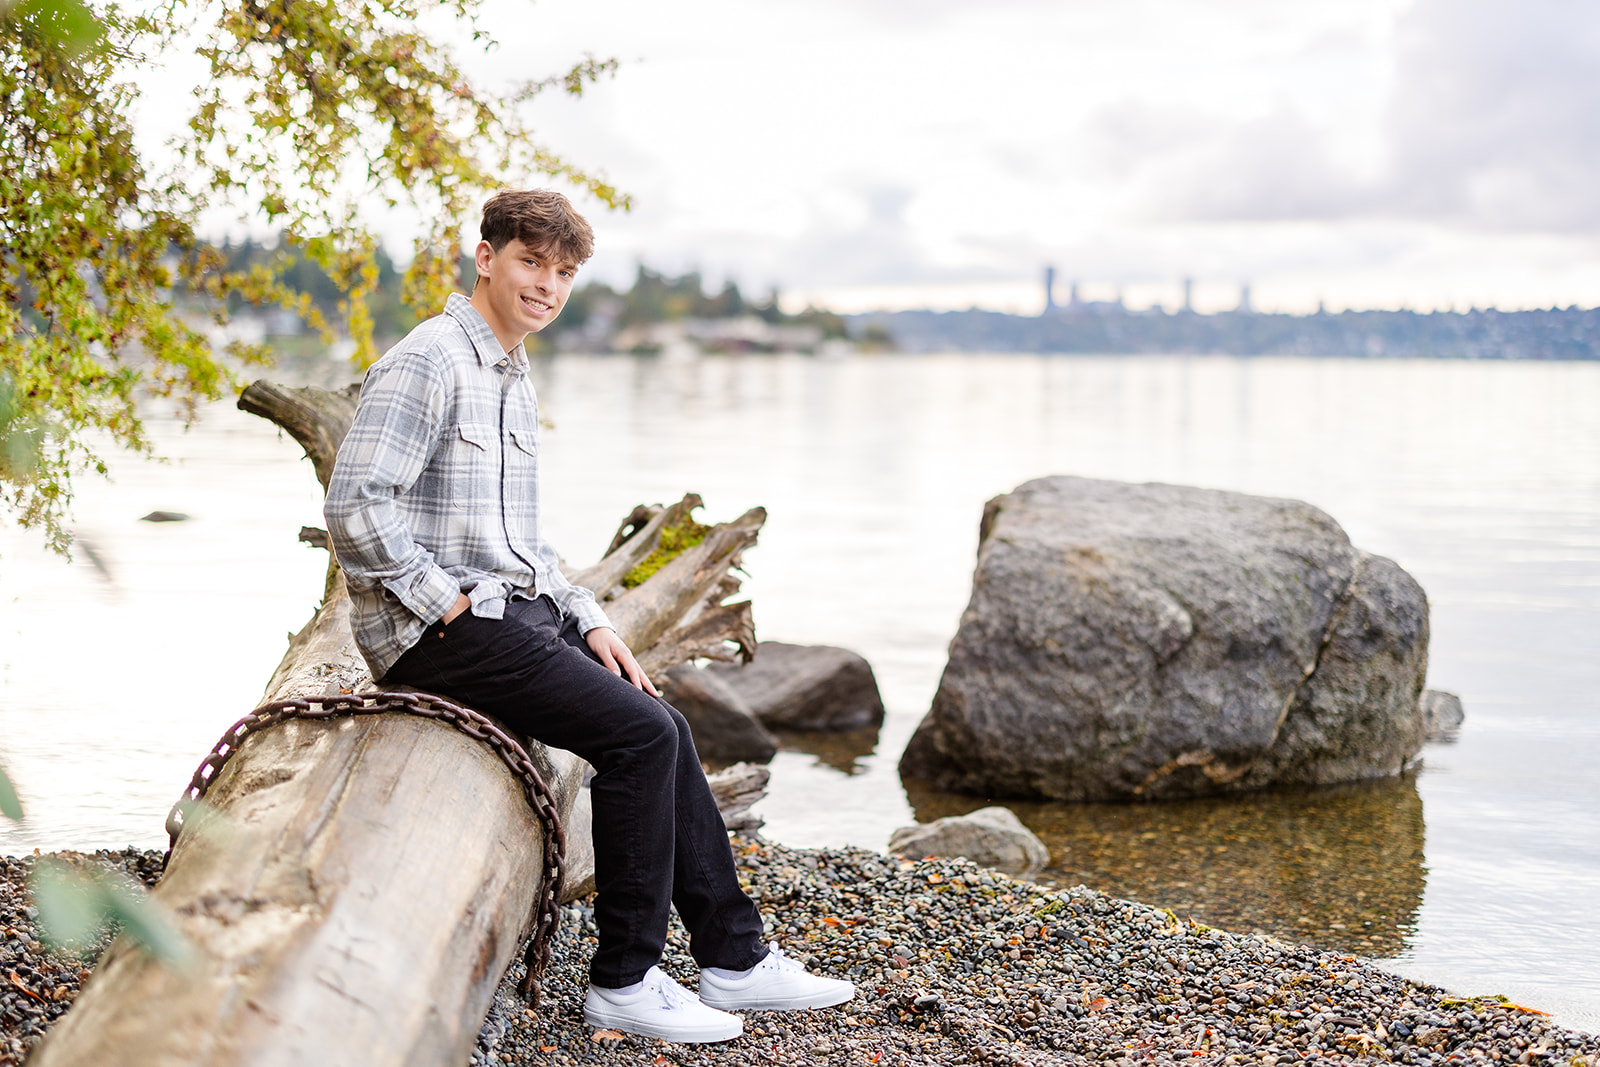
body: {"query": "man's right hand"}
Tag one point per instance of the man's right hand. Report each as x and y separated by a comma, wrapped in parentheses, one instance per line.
(461, 604)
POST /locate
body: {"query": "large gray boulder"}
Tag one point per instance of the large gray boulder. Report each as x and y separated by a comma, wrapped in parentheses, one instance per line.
(990, 837)
(1153, 641)
(806, 687)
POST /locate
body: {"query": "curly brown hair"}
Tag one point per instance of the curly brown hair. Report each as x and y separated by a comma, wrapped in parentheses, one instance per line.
(543, 220)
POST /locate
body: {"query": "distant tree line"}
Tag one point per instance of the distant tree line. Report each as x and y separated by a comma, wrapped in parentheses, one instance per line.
(1556, 333)
(658, 297)
(595, 309)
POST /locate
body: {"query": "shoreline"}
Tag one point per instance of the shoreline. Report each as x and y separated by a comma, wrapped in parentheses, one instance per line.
(954, 964)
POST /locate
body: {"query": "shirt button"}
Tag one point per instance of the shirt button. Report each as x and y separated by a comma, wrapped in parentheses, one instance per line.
(502, 363)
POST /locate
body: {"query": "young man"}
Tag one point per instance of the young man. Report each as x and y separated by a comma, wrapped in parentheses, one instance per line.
(433, 510)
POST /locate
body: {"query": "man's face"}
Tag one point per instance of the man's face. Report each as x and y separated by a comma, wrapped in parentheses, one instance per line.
(525, 289)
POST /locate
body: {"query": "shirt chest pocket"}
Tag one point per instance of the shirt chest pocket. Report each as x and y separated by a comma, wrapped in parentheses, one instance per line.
(522, 467)
(525, 444)
(473, 467)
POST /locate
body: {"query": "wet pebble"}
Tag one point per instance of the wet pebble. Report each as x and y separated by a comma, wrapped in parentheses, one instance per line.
(954, 964)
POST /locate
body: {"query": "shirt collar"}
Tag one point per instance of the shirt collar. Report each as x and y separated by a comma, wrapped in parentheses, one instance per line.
(484, 342)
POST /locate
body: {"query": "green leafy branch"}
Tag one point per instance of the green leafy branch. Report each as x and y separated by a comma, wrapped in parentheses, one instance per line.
(314, 110)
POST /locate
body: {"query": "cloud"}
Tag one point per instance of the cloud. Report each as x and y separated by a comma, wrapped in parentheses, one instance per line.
(868, 236)
(1276, 168)
(1495, 120)
(1121, 138)
(919, 12)
(1492, 124)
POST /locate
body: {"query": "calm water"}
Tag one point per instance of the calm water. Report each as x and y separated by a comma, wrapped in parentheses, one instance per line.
(1481, 873)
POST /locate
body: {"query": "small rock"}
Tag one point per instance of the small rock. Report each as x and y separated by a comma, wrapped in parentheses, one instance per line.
(992, 836)
(1442, 715)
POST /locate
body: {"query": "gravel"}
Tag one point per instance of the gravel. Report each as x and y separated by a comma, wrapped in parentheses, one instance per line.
(38, 986)
(954, 964)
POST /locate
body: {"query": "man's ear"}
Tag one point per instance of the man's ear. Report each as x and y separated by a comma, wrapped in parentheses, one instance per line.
(482, 257)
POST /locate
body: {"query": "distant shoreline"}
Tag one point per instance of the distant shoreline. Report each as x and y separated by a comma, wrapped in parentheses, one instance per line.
(1110, 329)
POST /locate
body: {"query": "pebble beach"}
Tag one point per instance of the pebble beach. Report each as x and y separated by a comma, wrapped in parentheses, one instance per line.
(954, 964)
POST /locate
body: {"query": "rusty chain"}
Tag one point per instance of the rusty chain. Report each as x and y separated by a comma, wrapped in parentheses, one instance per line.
(548, 913)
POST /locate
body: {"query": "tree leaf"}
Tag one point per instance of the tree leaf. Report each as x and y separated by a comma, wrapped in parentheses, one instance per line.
(10, 805)
(147, 921)
(75, 906)
(71, 911)
(68, 23)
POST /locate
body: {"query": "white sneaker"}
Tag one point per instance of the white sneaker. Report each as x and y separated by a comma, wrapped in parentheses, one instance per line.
(777, 983)
(659, 1007)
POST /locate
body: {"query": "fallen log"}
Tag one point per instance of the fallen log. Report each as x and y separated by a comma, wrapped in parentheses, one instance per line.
(356, 886)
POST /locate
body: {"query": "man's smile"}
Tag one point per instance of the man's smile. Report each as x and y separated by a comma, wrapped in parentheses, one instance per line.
(538, 306)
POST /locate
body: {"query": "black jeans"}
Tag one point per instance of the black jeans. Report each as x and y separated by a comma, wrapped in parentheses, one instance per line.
(658, 836)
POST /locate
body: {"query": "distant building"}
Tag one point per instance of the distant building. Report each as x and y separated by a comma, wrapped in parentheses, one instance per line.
(1244, 299)
(1049, 289)
(1188, 294)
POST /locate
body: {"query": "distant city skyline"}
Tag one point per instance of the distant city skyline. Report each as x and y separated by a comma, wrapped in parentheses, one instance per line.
(895, 153)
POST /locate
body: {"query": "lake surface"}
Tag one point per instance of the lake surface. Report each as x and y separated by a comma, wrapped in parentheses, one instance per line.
(1481, 872)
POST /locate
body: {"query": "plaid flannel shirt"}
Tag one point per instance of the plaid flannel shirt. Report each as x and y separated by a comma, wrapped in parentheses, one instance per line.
(436, 488)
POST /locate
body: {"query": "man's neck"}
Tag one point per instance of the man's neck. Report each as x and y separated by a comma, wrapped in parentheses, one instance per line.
(509, 339)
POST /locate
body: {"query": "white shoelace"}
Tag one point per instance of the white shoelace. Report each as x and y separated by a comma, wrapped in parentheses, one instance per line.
(782, 962)
(671, 993)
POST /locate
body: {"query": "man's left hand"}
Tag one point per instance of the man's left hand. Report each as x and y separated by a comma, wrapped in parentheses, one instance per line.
(616, 658)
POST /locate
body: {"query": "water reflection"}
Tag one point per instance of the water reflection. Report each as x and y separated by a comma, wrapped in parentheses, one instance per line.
(841, 750)
(1340, 867)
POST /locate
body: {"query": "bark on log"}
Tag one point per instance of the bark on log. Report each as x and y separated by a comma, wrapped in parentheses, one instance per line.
(359, 885)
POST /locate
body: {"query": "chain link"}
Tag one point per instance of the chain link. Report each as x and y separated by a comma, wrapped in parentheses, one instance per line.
(547, 915)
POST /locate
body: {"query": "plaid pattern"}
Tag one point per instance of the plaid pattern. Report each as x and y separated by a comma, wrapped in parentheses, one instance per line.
(436, 489)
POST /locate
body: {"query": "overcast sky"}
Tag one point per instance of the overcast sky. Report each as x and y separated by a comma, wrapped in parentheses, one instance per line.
(862, 153)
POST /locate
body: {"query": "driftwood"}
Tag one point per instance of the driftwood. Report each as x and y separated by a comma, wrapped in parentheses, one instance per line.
(736, 789)
(356, 887)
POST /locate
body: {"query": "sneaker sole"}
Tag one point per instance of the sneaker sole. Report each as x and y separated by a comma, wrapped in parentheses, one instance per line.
(683, 1035)
(821, 1000)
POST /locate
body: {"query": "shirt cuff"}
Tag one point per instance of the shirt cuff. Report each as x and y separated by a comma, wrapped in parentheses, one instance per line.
(589, 616)
(429, 595)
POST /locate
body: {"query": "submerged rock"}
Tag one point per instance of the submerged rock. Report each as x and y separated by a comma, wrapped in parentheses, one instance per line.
(806, 687)
(1150, 641)
(1442, 715)
(992, 837)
